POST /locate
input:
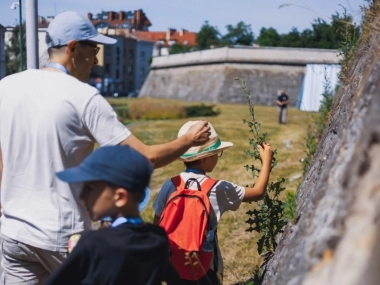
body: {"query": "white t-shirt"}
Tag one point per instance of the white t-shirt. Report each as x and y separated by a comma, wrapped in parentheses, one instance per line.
(49, 121)
(224, 196)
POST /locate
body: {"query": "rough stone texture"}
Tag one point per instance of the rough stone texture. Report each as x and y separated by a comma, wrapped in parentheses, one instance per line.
(337, 237)
(215, 82)
(245, 54)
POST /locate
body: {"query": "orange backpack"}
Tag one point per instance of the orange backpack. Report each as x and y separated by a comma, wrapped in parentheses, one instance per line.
(186, 220)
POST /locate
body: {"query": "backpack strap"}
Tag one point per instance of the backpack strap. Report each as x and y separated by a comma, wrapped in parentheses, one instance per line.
(178, 182)
(208, 184)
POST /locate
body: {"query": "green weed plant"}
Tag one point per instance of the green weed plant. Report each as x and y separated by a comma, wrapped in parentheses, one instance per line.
(269, 217)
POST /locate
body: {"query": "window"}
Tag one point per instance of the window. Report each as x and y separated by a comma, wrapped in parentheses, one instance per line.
(142, 71)
(124, 52)
(142, 54)
(130, 85)
(130, 55)
(126, 26)
(101, 25)
(107, 67)
(130, 70)
(118, 51)
(117, 74)
(124, 69)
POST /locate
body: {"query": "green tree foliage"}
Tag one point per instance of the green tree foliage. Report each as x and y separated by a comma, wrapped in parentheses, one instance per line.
(269, 38)
(179, 48)
(12, 52)
(322, 35)
(208, 36)
(292, 39)
(241, 34)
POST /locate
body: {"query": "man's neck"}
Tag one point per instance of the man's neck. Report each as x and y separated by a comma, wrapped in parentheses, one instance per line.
(64, 63)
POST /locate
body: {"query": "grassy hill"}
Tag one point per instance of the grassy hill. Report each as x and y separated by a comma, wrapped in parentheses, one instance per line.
(238, 246)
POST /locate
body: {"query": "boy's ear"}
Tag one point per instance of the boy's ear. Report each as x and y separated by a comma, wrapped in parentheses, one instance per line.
(121, 197)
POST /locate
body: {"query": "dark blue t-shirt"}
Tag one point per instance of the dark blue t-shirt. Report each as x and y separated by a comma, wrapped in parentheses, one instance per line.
(282, 98)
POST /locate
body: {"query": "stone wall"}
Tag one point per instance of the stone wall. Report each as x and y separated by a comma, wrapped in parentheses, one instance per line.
(208, 76)
(336, 239)
(215, 82)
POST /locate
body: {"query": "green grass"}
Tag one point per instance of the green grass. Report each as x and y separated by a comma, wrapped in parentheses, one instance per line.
(238, 247)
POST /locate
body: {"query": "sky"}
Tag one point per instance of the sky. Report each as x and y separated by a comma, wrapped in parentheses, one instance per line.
(282, 15)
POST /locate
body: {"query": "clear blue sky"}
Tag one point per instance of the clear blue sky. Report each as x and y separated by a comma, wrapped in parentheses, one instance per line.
(191, 14)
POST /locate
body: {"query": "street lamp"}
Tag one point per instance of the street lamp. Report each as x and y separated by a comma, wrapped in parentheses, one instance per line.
(13, 7)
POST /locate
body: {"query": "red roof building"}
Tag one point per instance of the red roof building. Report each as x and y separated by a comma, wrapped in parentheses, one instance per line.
(168, 38)
(135, 21)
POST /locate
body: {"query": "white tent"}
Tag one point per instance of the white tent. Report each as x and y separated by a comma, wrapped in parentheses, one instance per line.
(312, 88)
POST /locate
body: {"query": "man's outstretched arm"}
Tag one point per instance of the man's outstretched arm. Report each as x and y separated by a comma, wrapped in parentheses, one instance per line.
(163, 154)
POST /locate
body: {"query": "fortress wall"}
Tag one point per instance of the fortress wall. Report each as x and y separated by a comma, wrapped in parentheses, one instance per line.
(215, 82)
(208, 75)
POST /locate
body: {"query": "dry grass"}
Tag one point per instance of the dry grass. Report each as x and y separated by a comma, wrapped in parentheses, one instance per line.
(148, 110)
(238, 247)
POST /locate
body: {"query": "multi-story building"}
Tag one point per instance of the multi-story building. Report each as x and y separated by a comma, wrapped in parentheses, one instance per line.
(164, 40)
(122, 67)
(132, 21)
(2, 52)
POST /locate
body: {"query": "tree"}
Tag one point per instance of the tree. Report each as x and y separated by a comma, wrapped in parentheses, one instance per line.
(179, 48)
(292, 39)
(340, 32)
(241, 34)
(208, 36)
(269, 37)
(12, 52)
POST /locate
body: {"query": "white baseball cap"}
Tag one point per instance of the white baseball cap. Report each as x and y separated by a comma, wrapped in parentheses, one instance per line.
(68, 26)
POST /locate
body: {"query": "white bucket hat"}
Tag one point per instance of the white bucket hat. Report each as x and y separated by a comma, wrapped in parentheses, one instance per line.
(213, 146)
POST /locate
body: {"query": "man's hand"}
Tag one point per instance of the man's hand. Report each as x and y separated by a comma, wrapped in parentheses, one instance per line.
(199, 133)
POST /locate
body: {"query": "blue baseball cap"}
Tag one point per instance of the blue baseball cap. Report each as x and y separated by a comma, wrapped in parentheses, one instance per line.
(118, 165)
(68, 26)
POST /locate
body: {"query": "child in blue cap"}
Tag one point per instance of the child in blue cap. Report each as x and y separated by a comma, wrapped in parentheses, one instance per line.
(114, 183)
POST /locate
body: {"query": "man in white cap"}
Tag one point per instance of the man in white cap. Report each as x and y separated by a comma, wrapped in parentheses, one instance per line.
(49, 121)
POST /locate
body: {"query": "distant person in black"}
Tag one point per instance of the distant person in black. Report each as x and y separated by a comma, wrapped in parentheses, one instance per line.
(115, 180)
(282, 102)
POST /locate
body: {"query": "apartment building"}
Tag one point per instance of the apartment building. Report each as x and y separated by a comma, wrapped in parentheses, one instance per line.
(129, 20)
(122, 67)
(164, 40)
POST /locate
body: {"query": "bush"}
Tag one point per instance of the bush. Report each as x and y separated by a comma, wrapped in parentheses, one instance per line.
(132, 110)
(201, 110)
(156, 111)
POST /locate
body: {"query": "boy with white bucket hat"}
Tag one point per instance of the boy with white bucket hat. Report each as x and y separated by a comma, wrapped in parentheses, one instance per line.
(224, 195)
